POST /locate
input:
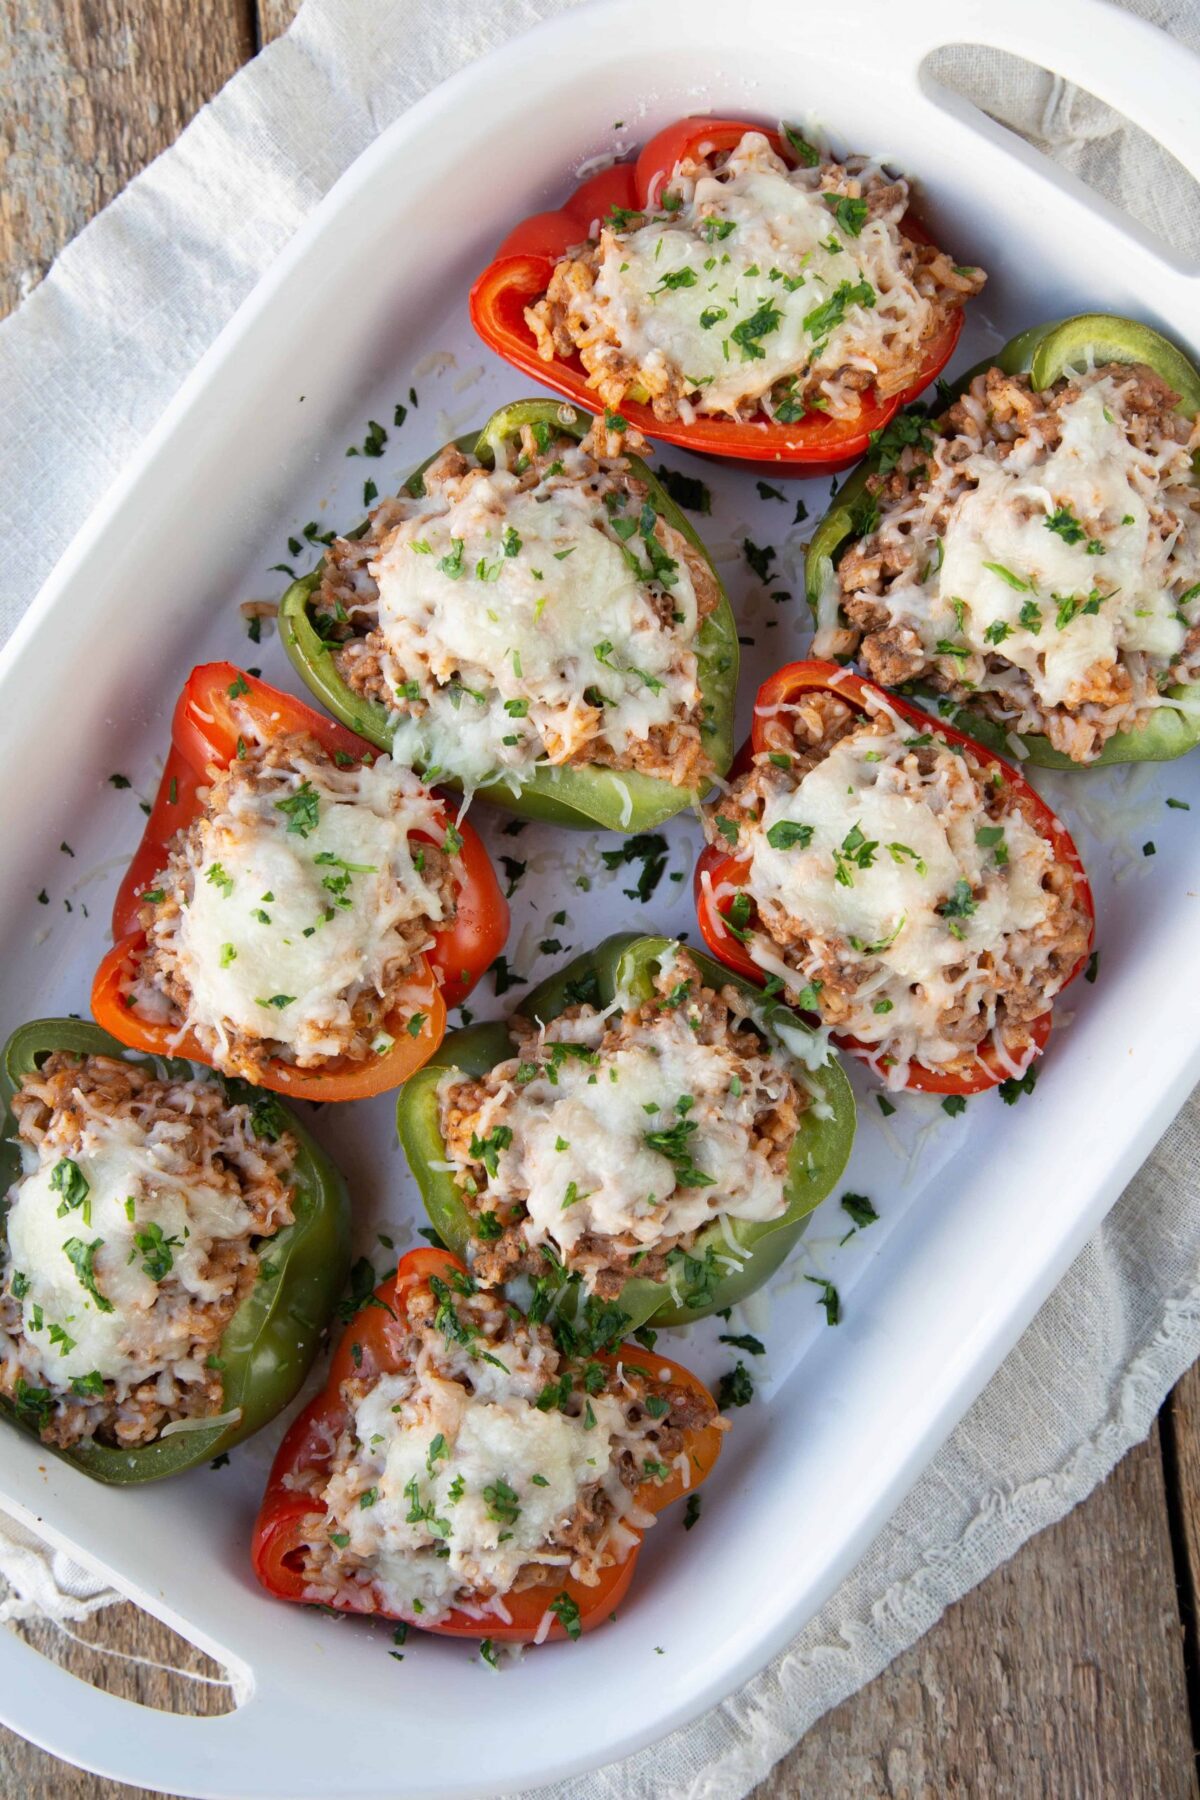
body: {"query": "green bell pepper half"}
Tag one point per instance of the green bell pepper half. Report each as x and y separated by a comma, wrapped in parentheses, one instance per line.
(270, 1342)
(620, 800)
(1045, 353)
(625, 964)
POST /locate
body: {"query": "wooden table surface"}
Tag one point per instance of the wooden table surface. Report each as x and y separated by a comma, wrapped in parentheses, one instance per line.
(1072, 1671)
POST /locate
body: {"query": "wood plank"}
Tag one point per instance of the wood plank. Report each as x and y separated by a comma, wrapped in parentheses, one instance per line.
(100, 87)
(1181, 1435)
(274, 17)
(1062, 1675)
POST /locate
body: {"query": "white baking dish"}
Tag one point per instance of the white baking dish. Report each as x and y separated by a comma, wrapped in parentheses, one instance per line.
(980, 1215)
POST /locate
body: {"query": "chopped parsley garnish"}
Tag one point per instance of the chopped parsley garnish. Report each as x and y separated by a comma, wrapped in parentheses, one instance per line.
(856, 852)
(651, 850)
(372, 444)
(825, 319)
(786, 834)
(1016, 582)
(760, 324)
(1064, 524)
(487, 1150)
(1030, 617)
(828, 1298)
(678, 278)
(736, 1388)
(675, 1145)
(155, 1250)
(887, 444)
(1011, 1091)
(687, 490)
(851, 215)
(452, 563)
(302, 809)
(860, 1209)
(68, 1179)
(960, 904)
(504, 976)
(954, 1104)
(502, 1503)
(760, 558)
(567, 1613)
(82, 1259)
(802, 150)
(751, 1345)
(691, 1511)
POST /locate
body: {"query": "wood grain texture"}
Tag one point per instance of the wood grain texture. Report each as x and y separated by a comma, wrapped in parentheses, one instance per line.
(93, 90)
(274, 17)
(1062, 1675)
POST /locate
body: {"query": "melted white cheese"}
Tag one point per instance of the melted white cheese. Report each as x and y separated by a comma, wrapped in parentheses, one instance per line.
(1023, 591)
(486, 1441)
(885, 917)
(277, 942)
(126, 1169)
(579, 1153)
(504, 606)
(785, 253)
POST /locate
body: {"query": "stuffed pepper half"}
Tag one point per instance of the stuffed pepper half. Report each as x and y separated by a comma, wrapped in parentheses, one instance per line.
(731, 291)
(534, 617)
(1034, 552)
(301, 909)
(472, 1473)
(896, 880)
(646, 1129)
(170, 1253)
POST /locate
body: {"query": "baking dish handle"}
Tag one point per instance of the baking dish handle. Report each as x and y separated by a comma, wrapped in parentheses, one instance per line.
(1128, 63)
(126, 1741)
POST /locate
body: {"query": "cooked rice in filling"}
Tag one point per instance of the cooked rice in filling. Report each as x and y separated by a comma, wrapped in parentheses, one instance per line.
(290, 913)
(898, 889)
(754, 287)
(523, 616)
(610, 1141)
(130, 1241)
(460, 1479)
(1036, 555)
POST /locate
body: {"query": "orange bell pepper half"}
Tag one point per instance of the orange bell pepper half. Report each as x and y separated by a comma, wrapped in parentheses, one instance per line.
(204, 736)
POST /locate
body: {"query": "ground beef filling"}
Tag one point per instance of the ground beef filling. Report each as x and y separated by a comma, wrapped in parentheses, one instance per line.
(829, 974)
(264, 770)
(572, 319)
(470, 1115)
(904, 519)
(345, 610)
(445, 1340)
(62, 1112)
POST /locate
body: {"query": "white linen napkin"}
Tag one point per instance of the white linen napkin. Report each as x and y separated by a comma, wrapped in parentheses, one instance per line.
(88, 364)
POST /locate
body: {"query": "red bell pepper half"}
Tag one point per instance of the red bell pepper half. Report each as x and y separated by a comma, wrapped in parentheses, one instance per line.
(520, 272)
(721, 874)
(204, 735)
(374, 1344)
